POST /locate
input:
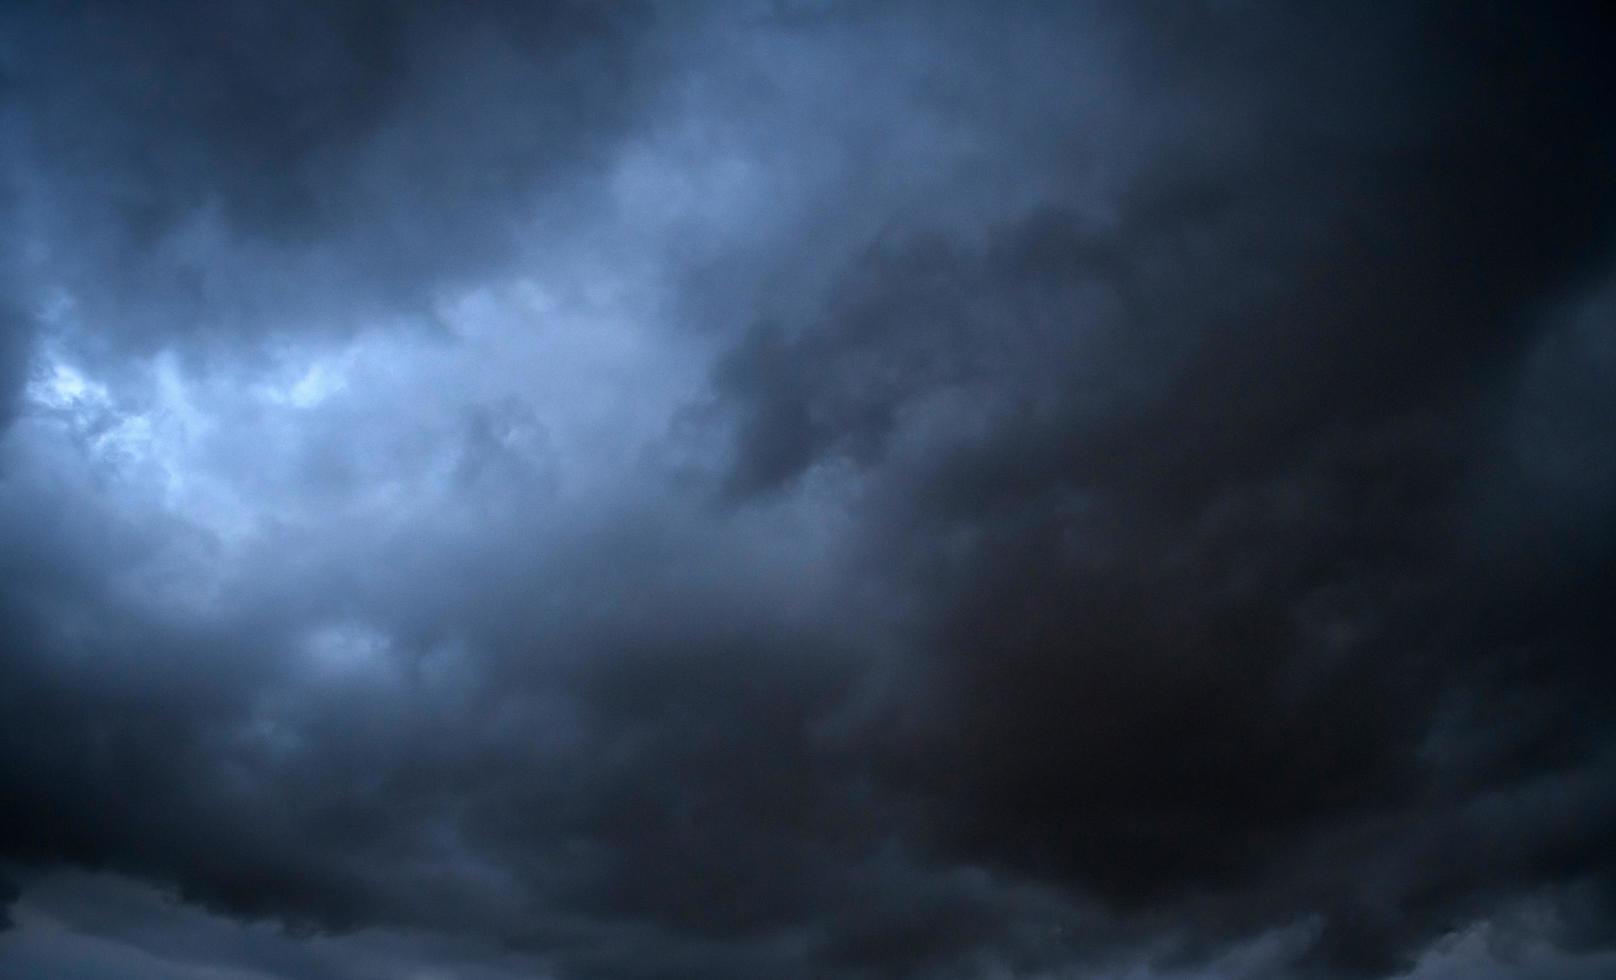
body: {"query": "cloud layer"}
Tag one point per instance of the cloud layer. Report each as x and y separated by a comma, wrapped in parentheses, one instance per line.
(807, 490)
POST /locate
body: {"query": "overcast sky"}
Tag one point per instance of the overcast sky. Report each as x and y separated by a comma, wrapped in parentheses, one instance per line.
(807, 490)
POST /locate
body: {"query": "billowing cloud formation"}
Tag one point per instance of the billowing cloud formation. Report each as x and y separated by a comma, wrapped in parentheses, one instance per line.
(808, 490)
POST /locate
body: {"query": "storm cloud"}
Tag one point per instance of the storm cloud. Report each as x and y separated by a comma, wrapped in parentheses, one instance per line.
(807, 489)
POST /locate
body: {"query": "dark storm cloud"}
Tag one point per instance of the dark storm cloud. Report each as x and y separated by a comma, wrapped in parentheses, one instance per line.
(14, 350)
(1142, 501)
(1198, 539)
(211, 169)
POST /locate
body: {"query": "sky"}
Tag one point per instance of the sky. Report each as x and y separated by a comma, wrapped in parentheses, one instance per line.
(807, 489)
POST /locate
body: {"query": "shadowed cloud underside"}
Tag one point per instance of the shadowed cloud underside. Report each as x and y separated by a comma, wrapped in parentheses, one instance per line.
(807, 490)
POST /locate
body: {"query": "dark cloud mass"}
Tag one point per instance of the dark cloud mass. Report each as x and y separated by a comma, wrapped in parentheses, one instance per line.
(807, 490)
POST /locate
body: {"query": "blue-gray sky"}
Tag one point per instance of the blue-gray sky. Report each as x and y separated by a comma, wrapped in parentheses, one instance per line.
(836, 490)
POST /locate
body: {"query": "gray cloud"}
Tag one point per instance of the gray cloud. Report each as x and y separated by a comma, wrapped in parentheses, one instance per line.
(807, 490)
(215, 171)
